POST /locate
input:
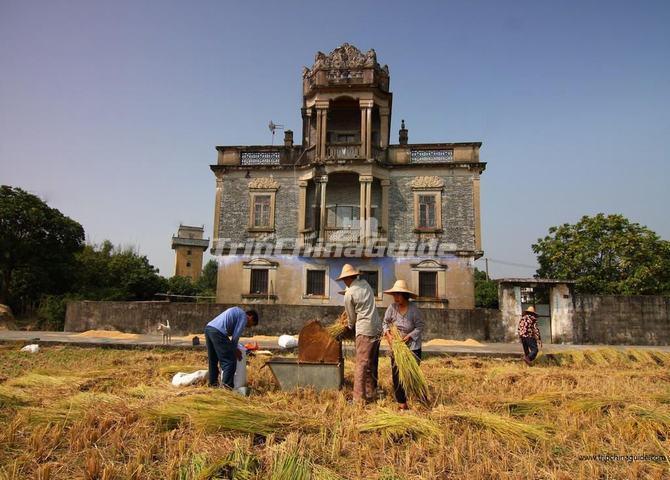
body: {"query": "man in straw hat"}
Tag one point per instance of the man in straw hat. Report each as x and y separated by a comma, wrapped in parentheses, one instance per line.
(529, 334)
(359, 303)
(406, 316)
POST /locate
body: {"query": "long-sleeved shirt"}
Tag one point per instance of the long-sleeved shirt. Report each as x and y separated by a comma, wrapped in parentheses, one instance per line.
(230, 322)
(359, 303)
(411, 323)
(528, 327)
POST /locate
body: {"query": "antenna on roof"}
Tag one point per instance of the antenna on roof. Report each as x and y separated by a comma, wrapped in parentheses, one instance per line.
(273, 126)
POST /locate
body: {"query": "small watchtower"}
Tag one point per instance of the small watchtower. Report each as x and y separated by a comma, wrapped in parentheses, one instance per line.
(189, 247)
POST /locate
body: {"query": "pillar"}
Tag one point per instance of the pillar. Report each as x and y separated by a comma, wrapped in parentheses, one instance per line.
(368, 209)
(366, 128)
(477, 208)
(302, 210)
(385, 207)
(384, 126)
(322, 128)
(323, 180)
(365, 206)
(217, 210)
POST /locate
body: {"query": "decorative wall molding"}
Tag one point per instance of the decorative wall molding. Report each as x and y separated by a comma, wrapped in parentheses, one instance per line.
(264, 183)
(427, 182)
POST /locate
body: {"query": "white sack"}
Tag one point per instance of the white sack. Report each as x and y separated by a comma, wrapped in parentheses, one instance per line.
(34, 348)
(287, 341)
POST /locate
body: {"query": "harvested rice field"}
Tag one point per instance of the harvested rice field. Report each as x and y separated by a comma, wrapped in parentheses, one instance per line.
(98, 413)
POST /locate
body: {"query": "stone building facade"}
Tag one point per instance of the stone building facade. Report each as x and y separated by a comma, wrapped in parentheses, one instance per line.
(288, 217)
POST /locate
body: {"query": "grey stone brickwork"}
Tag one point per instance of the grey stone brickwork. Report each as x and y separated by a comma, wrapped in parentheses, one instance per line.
(235, 206)
(457, 208)
(458, 219)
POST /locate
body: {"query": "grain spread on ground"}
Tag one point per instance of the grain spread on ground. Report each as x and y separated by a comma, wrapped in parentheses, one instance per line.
(107, 334)
(441, 342)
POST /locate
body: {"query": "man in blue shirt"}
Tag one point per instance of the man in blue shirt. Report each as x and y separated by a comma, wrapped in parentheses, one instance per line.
(222, 336)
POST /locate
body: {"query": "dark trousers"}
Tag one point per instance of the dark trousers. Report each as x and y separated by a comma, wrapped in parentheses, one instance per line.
(374, 367)
(220, 351)
(398, 391)
(529, 347)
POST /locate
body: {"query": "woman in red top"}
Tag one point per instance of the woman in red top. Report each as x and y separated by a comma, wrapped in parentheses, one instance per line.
(529, 334)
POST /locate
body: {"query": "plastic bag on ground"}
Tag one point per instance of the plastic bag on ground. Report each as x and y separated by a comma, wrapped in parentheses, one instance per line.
(287, 341)
(185, 379)
(33, 348)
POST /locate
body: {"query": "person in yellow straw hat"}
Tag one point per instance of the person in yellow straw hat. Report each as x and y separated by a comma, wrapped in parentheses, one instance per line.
(529, 334)
(408, 319)
(359, 303)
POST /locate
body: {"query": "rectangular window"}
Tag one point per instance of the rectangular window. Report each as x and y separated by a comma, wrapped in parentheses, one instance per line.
(372, 277)
(261, 211)
(259, 281)
(427, 211)
(428, 284)
(343, 216)
(316, 282)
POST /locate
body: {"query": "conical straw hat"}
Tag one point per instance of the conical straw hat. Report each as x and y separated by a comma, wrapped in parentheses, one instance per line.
(348, 271)
(400, 286)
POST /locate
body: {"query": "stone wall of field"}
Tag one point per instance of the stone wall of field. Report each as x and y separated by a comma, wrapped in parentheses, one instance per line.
(592, 319)
(185, 318)
(623, 320)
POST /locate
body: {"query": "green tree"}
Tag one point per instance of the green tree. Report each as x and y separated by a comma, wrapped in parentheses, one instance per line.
(106, 272)
(178, 285)
(206, 284)
(486, 291)
(37, 247)
(606, 254)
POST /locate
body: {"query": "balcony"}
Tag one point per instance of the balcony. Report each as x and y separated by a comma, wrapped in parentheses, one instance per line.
(343, 151)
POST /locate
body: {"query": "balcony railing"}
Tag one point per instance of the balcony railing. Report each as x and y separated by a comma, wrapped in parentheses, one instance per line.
(343, 151)
(342, 235)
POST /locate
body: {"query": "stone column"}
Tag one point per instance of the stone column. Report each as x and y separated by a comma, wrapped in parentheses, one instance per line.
(317, 140)
(302, 210)
(307, 127)
(477, 211)
(322, 129)
(323, 217)
(366, 127)
(365, 206)
(384, 126)
(368, 209)
(217, 211)
(368, 133)
(385, 207)
(361, 209)
(361, 151)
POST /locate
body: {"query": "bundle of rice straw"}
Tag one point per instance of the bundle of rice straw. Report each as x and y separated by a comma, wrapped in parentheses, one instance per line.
(339, 329)
(503, 426)
(394, 426)
(222, 411)
(409, 372)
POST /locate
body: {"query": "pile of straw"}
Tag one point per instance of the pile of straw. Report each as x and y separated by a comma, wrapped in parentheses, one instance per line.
(395, 427)
(340, 330)
(223, 411)
(409, 372)
(505, 427)
(655, 418)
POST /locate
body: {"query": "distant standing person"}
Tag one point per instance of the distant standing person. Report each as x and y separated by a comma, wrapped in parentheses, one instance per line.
(359, 303)
(529, 334)
(406, 316)
(222, 336)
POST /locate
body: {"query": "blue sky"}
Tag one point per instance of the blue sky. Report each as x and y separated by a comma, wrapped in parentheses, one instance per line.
(110, 111)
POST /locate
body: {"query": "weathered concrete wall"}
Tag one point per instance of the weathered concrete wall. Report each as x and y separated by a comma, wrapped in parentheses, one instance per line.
(185, 318)
(612, 319)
